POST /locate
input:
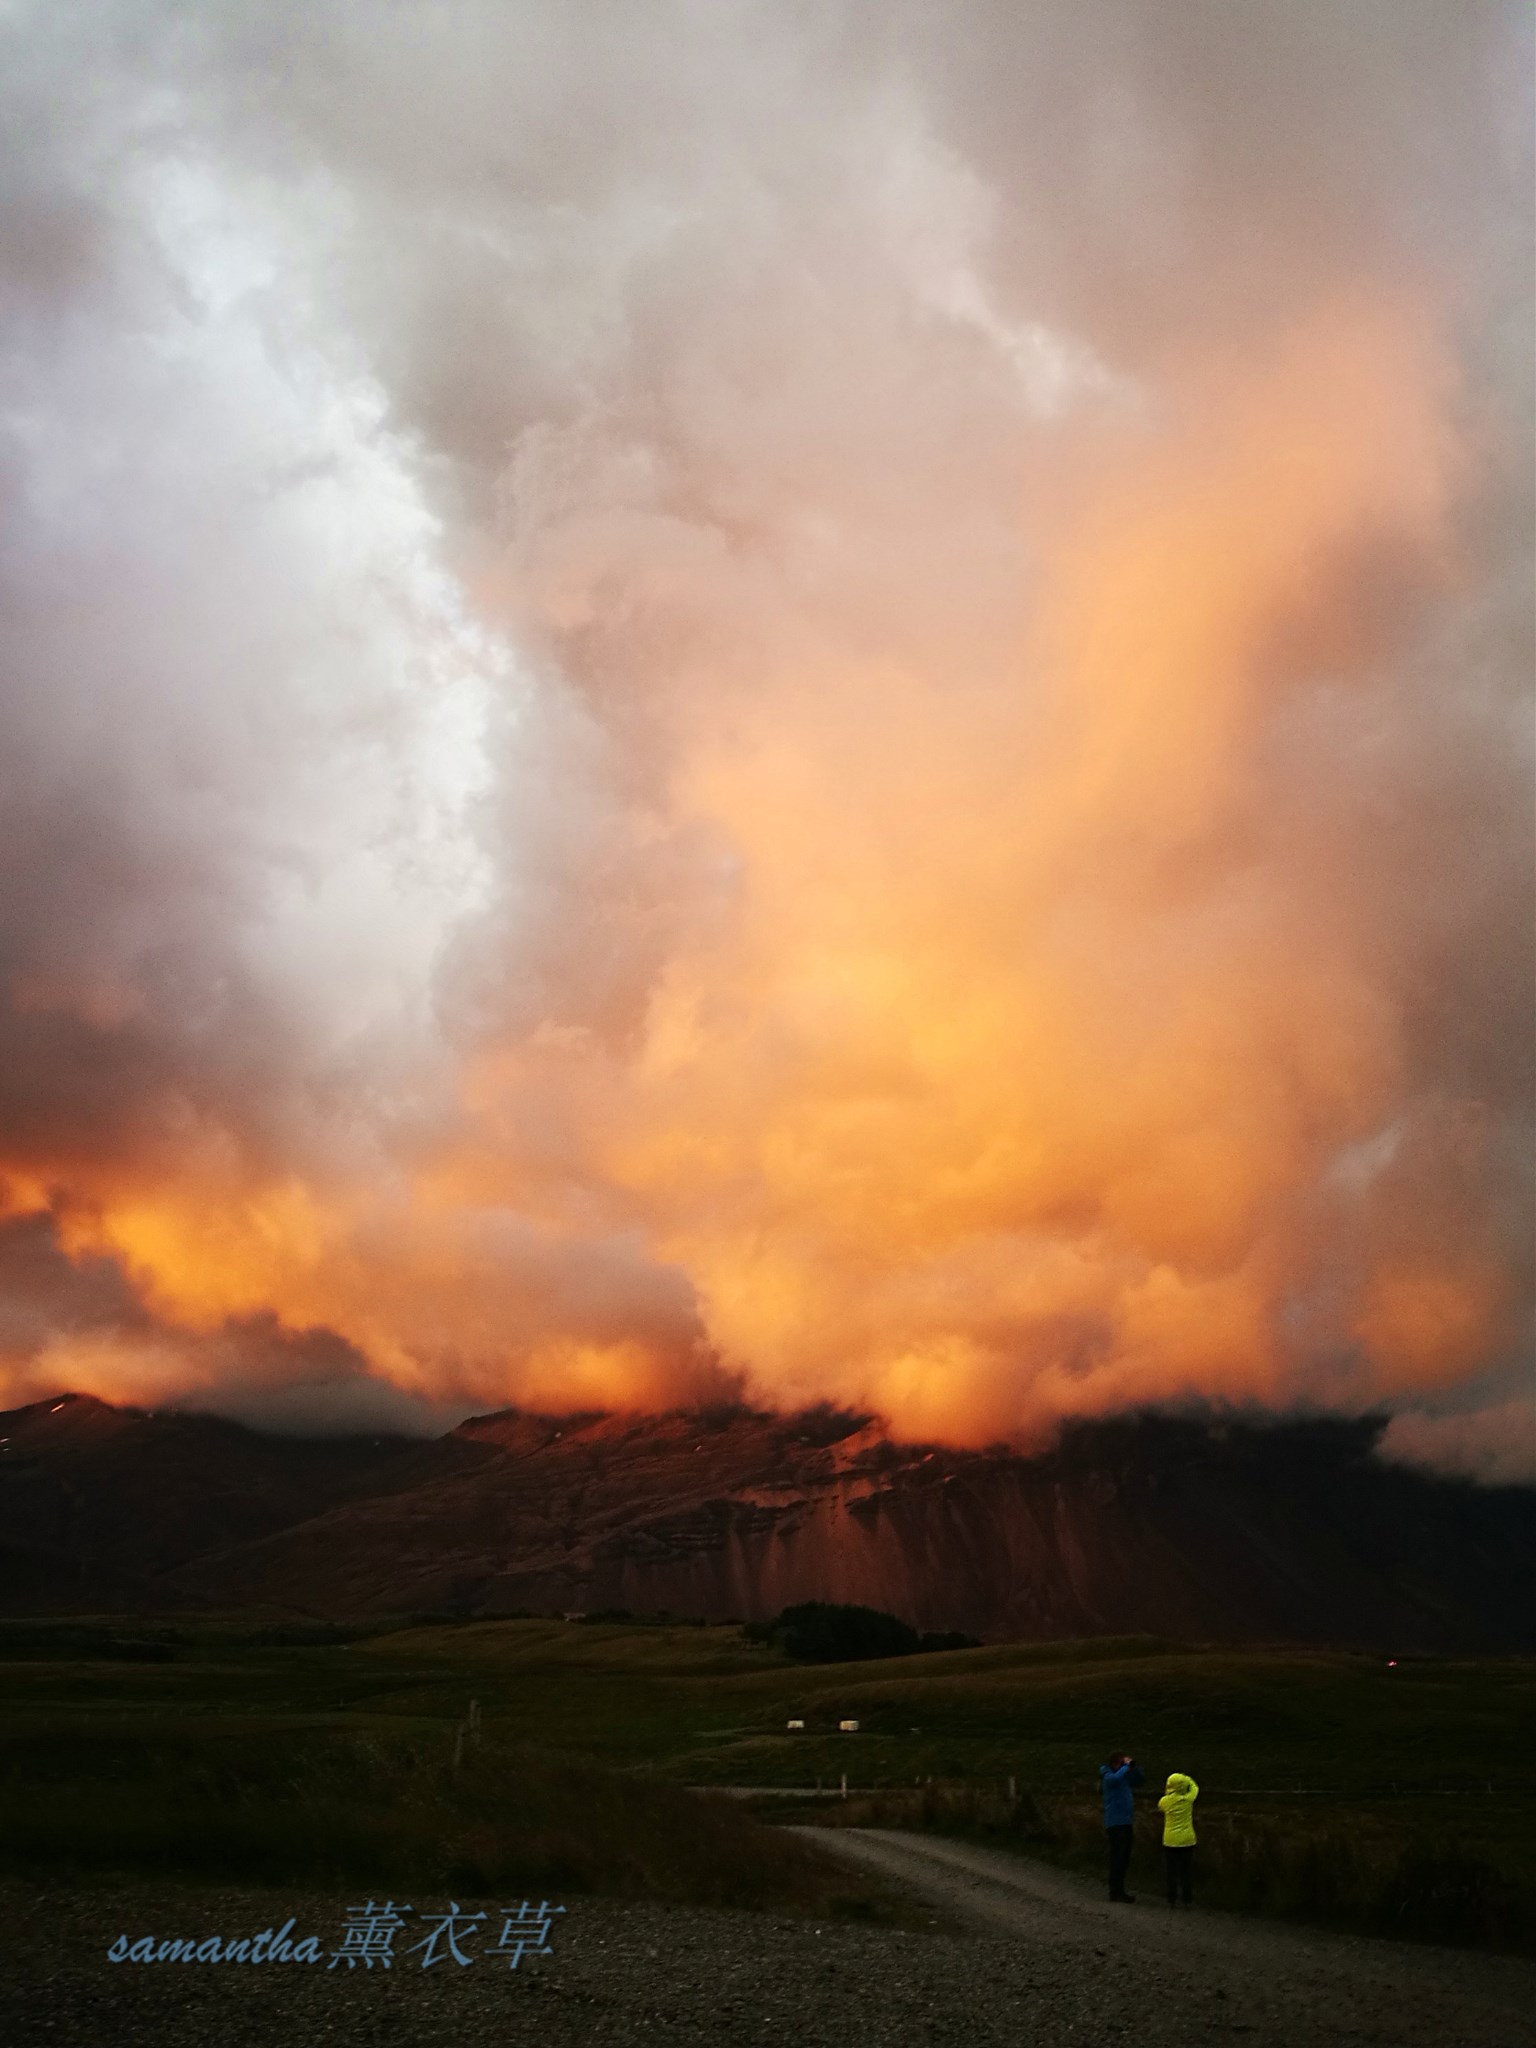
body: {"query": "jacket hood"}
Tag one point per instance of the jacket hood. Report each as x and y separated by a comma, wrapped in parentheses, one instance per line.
(1177, 1782)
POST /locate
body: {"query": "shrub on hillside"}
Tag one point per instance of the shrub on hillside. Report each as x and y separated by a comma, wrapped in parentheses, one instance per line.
(822, 1632)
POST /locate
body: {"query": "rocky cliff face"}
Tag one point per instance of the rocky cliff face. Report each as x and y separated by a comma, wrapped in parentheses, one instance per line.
(1292, 1531)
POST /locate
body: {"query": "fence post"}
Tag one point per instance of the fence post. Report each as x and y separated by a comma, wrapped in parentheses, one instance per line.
(845, 1784)
(1013, 1786)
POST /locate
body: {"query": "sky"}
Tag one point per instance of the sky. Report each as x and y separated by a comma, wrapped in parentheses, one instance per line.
(791, 702)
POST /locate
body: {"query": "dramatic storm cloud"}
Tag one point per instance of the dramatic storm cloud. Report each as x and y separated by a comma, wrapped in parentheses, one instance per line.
(829, 699)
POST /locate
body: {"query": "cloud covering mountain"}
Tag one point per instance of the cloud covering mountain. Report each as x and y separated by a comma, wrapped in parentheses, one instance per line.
(824, 700)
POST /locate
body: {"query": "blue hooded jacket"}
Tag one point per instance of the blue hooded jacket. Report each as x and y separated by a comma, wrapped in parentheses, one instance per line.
(1118, 1788)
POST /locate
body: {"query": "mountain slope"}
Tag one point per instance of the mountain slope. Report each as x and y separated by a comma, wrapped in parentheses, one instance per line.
(97, 1502)
(1291, 1531)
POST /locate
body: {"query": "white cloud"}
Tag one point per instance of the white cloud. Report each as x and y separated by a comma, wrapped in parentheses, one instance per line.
(1495, 1445)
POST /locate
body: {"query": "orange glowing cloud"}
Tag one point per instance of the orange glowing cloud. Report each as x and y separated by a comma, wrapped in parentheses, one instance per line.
(845, 775)
(997, 1092)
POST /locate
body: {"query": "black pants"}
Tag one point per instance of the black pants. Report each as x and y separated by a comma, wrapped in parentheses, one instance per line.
(1179, 1865)
(1119, 1858)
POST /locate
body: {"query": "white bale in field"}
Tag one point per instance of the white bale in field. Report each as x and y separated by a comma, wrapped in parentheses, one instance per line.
(848, 1727)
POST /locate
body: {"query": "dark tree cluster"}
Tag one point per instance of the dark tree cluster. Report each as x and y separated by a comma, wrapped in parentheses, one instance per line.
(821, 1632)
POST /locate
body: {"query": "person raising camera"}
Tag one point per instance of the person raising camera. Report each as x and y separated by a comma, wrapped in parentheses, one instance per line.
(1118, 1780)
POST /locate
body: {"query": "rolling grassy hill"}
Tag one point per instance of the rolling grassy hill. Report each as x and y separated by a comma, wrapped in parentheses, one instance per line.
(706, 1706)
(205, 1733)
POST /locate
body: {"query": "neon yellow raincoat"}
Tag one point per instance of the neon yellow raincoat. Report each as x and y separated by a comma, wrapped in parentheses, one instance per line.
(1177, 1806)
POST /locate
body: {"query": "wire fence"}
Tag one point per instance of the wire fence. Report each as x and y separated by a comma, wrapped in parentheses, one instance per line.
(845, 1786)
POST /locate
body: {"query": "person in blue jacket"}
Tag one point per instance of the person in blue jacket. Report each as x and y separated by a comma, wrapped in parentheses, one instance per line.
(1118, 1780)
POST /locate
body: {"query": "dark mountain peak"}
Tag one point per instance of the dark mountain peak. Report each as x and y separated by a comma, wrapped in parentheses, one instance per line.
(749, 1440)
(1213, 1529)
(520, 1430)
(62, 1412)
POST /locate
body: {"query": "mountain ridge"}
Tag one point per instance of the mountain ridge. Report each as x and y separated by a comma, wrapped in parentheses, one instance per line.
(1288, 1530)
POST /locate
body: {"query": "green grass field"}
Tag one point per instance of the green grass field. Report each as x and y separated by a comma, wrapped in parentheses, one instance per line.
(1332, 1786)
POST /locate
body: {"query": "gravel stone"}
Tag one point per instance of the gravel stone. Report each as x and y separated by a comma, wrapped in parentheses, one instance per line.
(1013, 1955)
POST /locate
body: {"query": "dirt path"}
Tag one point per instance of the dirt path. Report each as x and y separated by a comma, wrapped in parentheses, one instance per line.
(1222, 1975)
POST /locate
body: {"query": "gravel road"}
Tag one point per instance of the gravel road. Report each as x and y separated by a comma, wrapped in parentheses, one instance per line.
(1011, 1954)
(1190, 1976)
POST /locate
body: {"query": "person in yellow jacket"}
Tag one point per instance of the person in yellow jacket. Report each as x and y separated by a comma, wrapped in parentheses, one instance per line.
(1177, 1807)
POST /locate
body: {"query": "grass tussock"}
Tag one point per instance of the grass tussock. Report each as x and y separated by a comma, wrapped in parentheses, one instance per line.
(1397, 1874)
(328, 1810)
